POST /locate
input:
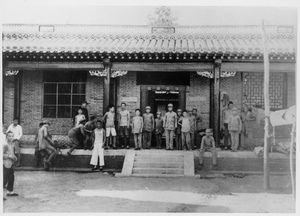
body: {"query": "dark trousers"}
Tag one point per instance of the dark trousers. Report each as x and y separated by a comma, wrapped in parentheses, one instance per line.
(88, 142)
(147, 139)
(158, 140)
(178, 140)
(37, 156)
(8, 178)
(227, 137)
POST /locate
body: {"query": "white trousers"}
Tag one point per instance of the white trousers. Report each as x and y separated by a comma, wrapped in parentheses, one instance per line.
(98, 152)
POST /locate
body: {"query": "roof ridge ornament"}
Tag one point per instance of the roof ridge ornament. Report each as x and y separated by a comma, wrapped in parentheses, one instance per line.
(163, 17)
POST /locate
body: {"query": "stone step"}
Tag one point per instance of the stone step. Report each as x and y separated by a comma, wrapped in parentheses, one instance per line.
(160, 152)
(158, 165)
(173, 171)
(165, 158)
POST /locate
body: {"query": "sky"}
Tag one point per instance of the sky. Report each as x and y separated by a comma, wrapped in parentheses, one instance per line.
(89, 12)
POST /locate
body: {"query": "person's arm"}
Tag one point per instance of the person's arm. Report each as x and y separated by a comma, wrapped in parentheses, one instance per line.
(82, 130)
(104, 138)
(9, 128)
(46, 136)
(128, 119)
(142, 124)
(20, 132)
(202, 144)
(152, 119)
(213, 142)
(229, 124)
(164, 119)
(240, 124)
(5, 152)
(175, 121)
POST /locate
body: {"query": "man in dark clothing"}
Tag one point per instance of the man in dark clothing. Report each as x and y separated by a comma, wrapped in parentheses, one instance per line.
(84, 111)
(88, 129)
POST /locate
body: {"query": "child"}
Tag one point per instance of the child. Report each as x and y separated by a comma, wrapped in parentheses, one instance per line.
(178, 132)
(208, 144)
(76, 135)
(8, 164)
(37, 155)
(137, 128)
(109, 118)
(148, 128)
(79, 117)
(193, 127)
(99, 137)
(234, 127)
(185, 123)
(158, 126)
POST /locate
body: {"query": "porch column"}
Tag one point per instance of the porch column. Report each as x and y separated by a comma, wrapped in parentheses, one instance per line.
(181, 98)
(17, 96)
(216, 101)
(107, 80)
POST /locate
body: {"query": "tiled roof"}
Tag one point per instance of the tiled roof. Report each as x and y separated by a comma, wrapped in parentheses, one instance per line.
(240, 40)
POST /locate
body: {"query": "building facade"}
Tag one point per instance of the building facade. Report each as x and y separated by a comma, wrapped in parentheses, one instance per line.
(49, 70)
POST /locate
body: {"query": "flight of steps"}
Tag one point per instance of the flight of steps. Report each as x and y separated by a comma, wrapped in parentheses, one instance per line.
(158, 163)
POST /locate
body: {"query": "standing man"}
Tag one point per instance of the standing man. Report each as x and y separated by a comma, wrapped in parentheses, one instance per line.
(148, 127)
(178, 131)
(198, 118)
(227, 113)
(18, 133)
(109, 118)
(84, 111)
(88, 129)
(124, 121)
(45, 144)
(193, 128)
(170, 124)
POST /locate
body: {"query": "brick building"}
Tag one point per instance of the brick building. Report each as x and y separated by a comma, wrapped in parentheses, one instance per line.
(49, 70)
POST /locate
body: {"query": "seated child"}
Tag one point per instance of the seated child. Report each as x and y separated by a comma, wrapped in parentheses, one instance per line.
(208, 144)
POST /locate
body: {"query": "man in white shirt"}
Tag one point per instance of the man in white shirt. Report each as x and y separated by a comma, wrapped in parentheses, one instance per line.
(18, 133)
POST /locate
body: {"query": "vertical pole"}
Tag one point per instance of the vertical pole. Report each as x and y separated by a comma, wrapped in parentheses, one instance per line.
(217, 76)
(292, 159)
(107, 66)
(17, 96)
(267, 108)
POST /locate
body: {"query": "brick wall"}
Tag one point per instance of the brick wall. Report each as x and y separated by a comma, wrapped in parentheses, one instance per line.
(128, 88)
(32, 101)
(8, 97)
(199, 86)
(291, 89)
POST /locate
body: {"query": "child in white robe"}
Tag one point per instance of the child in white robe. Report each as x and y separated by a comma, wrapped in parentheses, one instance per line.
(98, 151)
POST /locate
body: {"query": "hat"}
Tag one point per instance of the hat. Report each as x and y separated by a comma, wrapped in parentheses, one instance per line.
(170, 105)
(46, 122)
(84, 102)
(148, 107)
(179, 110)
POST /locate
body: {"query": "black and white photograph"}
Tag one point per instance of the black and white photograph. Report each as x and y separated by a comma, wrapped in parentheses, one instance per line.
(153, 107)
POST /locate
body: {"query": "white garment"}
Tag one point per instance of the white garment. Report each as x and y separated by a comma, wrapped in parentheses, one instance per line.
(111, 130)
(17, 130)
(98, 151)
(79, 118)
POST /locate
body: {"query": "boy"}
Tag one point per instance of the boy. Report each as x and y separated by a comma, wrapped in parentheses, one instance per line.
(98, 153)
(178, 132)
(18, 133)
(88, 129)
(45, 144)
(148, 127)
(208, 144)
(124, 121)
(76, 134)
(109, 119)
(235, 127)
(79, 117)
(158, 126)
(193, 127)
(227, 113)
(170, 124)
(137, 128)
(8, 165)
(185, 123)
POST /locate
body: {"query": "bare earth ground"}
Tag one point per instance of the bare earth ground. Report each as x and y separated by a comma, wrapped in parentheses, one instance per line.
(98, 192)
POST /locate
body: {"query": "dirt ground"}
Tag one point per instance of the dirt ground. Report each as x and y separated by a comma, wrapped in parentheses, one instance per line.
(98, 192)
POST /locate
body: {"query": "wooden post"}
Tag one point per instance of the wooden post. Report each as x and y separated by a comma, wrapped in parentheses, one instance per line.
(106, 101)
(17, 96)
(267, 108)
(217, 76)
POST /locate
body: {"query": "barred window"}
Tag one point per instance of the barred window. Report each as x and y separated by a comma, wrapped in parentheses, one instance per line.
(63, 93)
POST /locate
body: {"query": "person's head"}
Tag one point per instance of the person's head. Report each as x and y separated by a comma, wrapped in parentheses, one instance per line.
(16, 122)
(40, 124)
(84, 104)
(170, 107)
(179, 112)
(46, 123)
(158, 114)
(208, 132)
(79, 111)
(234, 111)
(111, 108)
(92, 118)
(137, 112)
(184, 113)
(249, 109)
(123, 106)
(10, 136)
(195, 111)
(230, 104)
(99, 124)
(148, 109)
(190, 112)
(244, 108)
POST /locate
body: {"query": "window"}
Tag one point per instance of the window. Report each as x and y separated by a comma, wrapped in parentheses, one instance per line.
(253, 90)
(63, 93)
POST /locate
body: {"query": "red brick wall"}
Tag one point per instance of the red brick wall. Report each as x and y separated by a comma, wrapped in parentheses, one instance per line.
(8, 100)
